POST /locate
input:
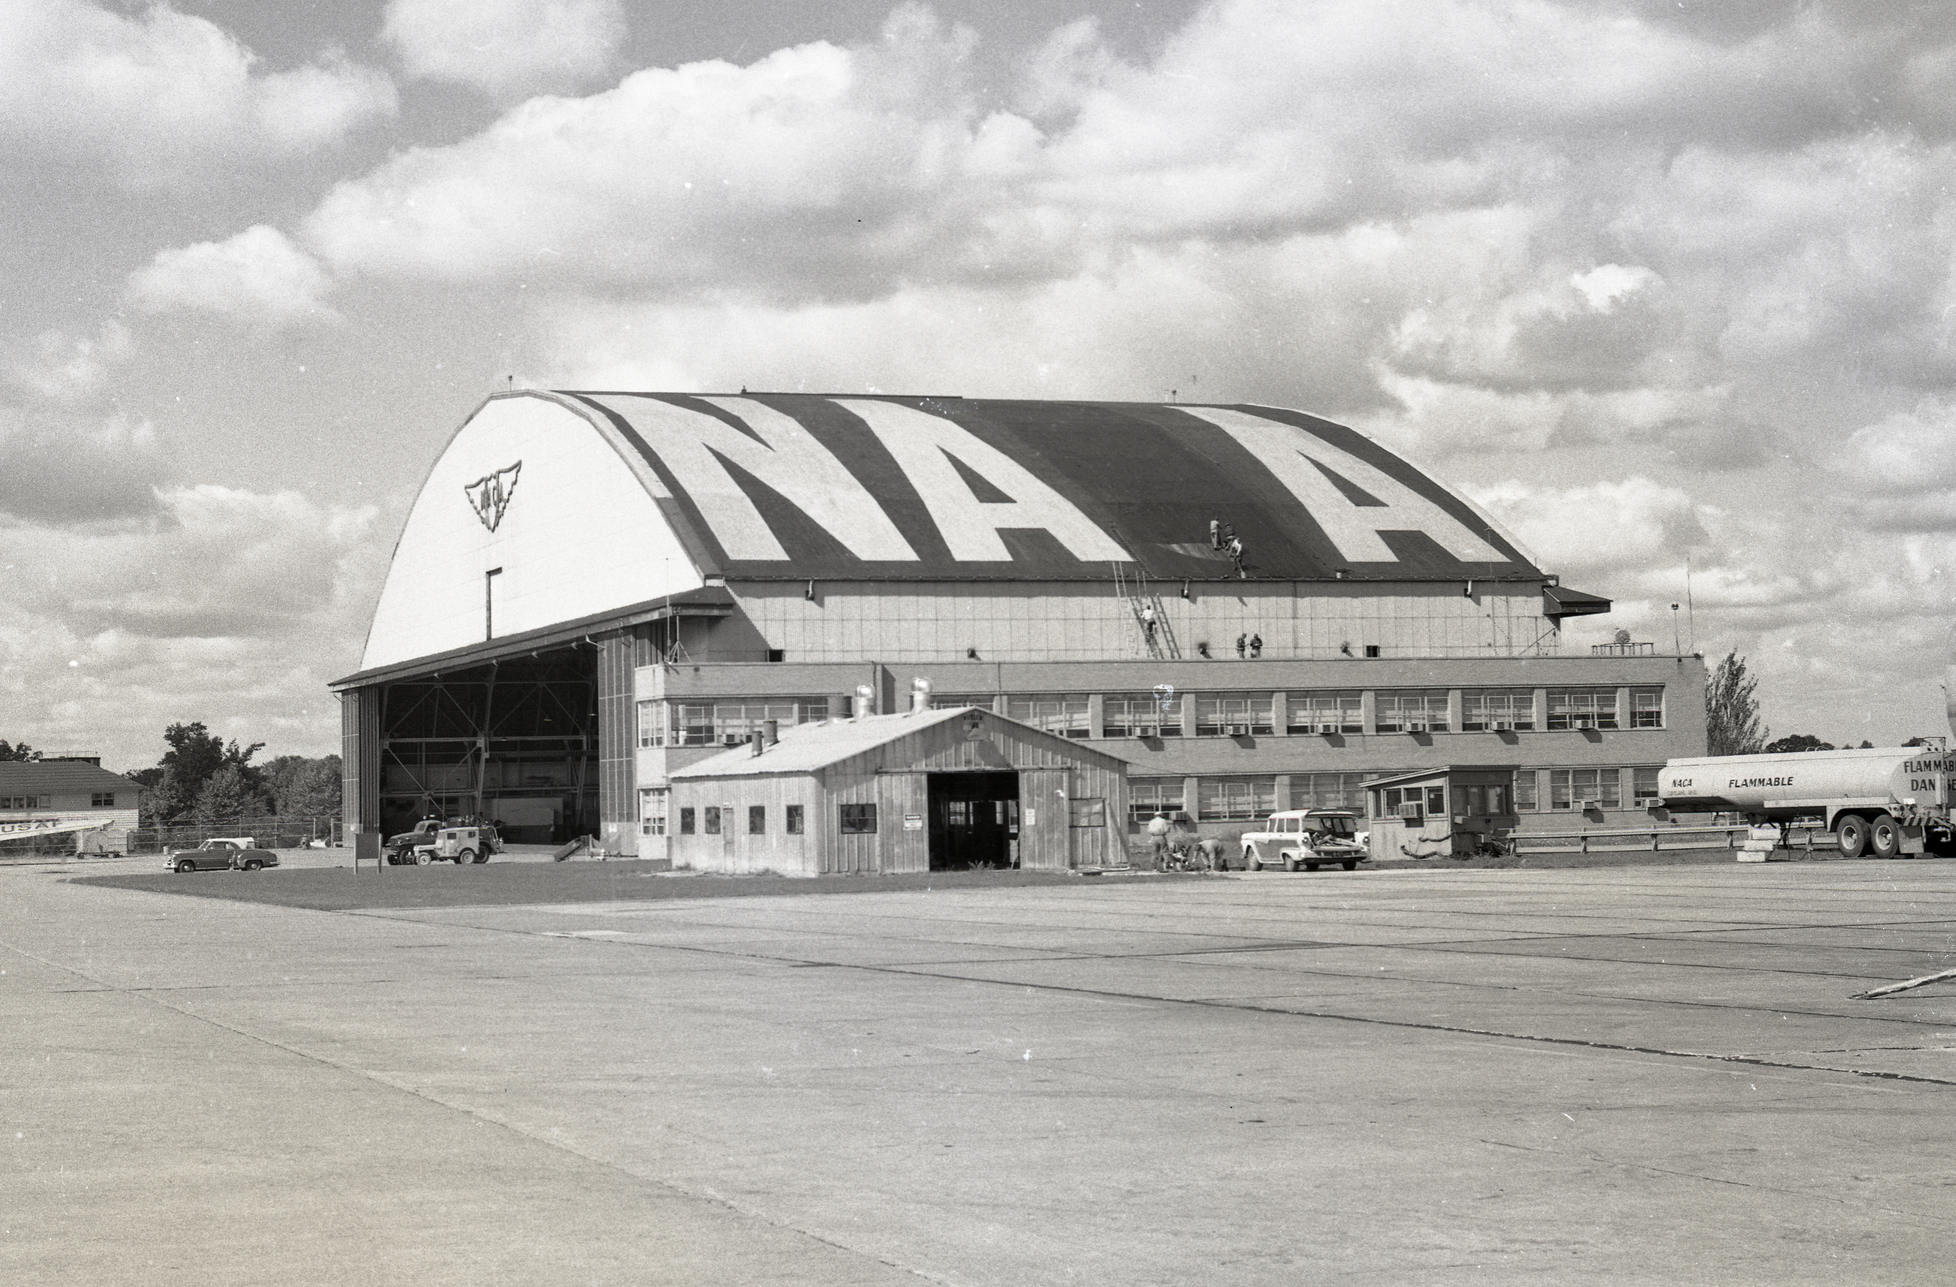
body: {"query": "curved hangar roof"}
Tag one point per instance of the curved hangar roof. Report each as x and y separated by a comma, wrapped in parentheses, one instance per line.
(614, 499)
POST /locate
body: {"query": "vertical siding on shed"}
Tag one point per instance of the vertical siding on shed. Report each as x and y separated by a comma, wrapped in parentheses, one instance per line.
(904, 794)
(855, 854)
(1044, 823)
(736, 852)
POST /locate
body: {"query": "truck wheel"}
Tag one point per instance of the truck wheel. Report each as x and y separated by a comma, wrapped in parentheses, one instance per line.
(186, 867)
(466, 856)
(1884, 837)
(1851, 833)
(422, 857)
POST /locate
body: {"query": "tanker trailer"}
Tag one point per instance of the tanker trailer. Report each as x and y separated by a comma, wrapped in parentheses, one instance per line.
(1883, 801)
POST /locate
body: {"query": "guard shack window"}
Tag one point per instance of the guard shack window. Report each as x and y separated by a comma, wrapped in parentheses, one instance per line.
(856, 819)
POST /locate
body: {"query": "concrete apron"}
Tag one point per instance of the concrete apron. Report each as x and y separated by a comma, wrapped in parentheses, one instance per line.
(1553, 1077)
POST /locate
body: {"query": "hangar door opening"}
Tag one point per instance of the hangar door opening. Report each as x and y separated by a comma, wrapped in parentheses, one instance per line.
(974, 820)
(514, 741)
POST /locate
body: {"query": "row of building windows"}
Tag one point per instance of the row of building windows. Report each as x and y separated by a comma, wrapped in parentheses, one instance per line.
(730, 721)
(26, 802)
(1249, 797)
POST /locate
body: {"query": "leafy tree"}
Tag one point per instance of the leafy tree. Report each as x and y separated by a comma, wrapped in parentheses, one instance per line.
(1732, 724)
(1799, 742)
(304, 788)
(227, 794)
(17, 751)
(196, 755)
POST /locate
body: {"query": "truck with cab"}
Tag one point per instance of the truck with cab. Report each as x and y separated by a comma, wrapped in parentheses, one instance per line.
(1880, 801)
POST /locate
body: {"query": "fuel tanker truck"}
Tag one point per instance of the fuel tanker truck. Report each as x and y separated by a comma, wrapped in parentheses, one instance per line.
(1882, 801)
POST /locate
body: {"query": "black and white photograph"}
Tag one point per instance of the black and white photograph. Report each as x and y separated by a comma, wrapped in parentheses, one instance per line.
(977, 642)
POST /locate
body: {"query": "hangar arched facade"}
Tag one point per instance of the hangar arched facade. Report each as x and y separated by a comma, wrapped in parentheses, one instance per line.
(1256, 608)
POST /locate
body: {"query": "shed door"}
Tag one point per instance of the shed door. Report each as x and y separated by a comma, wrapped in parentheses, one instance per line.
(1045, 821)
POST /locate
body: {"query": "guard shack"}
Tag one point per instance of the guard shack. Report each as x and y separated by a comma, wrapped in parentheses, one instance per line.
(1446, 812)
(927, 790)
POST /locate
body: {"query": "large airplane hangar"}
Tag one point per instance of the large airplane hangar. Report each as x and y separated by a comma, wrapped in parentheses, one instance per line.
(1252, 608)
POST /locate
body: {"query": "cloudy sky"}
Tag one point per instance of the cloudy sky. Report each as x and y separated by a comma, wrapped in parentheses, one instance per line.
(1667, 284)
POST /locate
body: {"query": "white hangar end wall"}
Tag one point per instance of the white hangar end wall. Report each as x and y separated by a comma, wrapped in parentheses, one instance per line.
(592, 591)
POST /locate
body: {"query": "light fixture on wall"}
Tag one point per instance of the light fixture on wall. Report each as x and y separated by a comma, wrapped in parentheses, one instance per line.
(809, 593)
(972, 653)
(1185, 588)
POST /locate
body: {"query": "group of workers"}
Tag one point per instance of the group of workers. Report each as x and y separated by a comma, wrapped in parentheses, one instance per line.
(1169, 841)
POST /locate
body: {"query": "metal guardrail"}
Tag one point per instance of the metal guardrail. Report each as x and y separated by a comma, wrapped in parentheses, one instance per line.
(1655, 839)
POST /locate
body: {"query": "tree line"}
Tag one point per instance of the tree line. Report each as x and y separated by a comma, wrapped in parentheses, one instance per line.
(203, 778)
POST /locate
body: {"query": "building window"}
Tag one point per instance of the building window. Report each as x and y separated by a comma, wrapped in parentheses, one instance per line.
(1148, 796)
(1643, 786)
(1571, 788)
(1581, 708)
(729, 723)
(1525, 791)
(1327, 790)
(1411, 804)
(651, 812)
(1485, 710)
(1141, 715)
(1061, 713)
(652, 723)
(1324, 713)
(102, 800)
(794, 820)
(26, 801)
(856, 819)
(1233, 714)
(1087, 812)
(1484, 801)
(1243, 799)
(1647, 708)
(756, 819)
(1412, 710)
(685, 822)
(710, 821)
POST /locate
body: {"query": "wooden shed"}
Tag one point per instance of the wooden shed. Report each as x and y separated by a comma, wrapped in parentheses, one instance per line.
(1447, 812)
(928, 790)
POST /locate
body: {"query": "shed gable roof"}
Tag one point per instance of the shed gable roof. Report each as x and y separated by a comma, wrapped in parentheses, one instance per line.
(810, 748)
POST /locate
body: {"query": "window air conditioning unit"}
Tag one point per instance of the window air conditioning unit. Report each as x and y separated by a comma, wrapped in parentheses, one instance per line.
(732, 739)
(1504, 725)
(1239, 730)
(1586, 805)
(1415, 728)
(1410, 809)
(1144, 730)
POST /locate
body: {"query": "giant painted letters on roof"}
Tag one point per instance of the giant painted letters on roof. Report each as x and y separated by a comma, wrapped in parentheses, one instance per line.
(793, 485)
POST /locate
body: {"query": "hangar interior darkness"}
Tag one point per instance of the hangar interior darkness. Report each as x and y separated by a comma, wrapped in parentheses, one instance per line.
(514, 739)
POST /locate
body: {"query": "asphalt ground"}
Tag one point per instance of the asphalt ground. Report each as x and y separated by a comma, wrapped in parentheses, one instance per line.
(1622, 1074)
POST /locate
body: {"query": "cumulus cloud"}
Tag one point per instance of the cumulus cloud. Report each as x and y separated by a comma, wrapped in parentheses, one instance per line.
(60, 469)
(507, 47)
(209, 606)
(257, 275)
(69, 370)
(159, 96)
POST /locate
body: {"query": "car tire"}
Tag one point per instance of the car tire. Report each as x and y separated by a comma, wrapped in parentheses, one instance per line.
(1290, 863)
(1851, 834)
(422, 857)
(1250, 861)
(185, 867)
(1350, 864)
(252, 864)
(466, 856)
(1310, 866)
(1884, 837)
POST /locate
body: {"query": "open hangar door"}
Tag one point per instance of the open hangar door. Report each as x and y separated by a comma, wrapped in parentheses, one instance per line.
(514, 740)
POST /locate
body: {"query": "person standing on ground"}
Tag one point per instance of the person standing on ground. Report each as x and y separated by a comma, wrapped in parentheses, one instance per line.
(1158, 837)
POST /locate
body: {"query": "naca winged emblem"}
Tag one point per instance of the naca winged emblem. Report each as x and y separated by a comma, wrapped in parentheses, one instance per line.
(489, 495)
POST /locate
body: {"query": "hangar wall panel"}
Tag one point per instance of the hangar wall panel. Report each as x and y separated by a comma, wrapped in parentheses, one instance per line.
(360, 759)
(578, 534)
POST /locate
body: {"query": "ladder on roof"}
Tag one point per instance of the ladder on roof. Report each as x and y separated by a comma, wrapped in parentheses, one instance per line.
(1143, 603)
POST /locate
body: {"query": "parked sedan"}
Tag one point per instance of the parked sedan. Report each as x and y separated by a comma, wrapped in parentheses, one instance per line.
(220, 855)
